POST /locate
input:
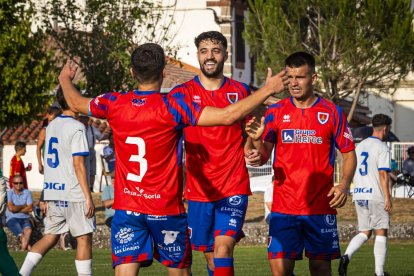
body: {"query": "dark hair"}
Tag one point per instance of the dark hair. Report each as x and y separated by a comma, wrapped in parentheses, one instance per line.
(299, 59)
(214, 36)
(61, 99)
(410, 149)
(381, 120)
(55, 110)
(148, 62)
(19, 145)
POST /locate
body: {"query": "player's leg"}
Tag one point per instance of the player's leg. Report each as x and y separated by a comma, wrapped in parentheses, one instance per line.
(380, 222)
(364, 227)
(27, 232)
(7, 264)
(201, 226)
(132, 246)
(81, 228)
(228, 224)
(321, 242)
(285, 243)
(171, 243)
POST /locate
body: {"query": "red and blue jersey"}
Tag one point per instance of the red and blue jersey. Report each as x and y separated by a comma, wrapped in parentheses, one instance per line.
(304, 156)
(147, 131)
(215, 165)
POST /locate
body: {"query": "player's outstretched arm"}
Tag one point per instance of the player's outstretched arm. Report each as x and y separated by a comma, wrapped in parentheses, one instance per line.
(340, 192)
(75, 100)
(254, 141)
(212, 116)
(80, 170)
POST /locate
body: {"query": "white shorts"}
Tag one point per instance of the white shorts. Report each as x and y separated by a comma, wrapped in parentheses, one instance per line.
(371, 215)
(64, 216)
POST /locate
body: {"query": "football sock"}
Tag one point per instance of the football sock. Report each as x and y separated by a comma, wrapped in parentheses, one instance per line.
(380, 252)
(84, 267)
(223, 267)
(355, 244)
(210, 272)
(30, 262)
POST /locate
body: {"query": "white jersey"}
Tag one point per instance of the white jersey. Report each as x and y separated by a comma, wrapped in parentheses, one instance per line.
(65, 138)
(372, 156)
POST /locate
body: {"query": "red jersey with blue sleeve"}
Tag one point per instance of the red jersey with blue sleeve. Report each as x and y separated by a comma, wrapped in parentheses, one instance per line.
(215, 165)
(305, 141)
(147, 133)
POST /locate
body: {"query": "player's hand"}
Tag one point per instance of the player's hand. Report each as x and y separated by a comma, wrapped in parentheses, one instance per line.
(340, 194)
(40, 168)
(69, 70)
(255, 129)
(43, 207)
(252, 158)
(90, 208)
(387, 205)
(277, 83)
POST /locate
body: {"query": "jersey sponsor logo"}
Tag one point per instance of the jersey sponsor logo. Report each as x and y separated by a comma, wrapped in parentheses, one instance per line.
(54, 186)
(232, 97)
(330, 220)
(362, 190)
(348, 134)
(286, 118)
(323, 117)
(235, 200)
(233, 222)
(139, 102)
(124, 235)
(141, 193)
(301, 136)
(197, 99)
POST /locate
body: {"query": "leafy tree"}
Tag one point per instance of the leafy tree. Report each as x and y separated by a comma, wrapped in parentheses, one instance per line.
(102, 33)
(358, 44)
(26, 73)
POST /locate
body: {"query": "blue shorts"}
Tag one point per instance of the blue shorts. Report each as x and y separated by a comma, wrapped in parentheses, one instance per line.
(290, 234)
(138, 238)
(17, 225)
(207, 220)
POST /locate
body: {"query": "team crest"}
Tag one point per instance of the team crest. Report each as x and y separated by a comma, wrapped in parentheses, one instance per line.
(139, 102)
(232, 97)
(323, 117)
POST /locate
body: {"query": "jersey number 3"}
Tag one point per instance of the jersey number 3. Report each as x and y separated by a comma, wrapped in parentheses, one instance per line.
(143, 164)
(363, 170)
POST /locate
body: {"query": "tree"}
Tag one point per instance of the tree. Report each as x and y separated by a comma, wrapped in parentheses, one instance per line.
(26, 73)
(102, 33)
(358, 44)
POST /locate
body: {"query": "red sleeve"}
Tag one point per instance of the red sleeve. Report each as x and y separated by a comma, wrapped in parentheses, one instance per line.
(343, 136)
(99, 106)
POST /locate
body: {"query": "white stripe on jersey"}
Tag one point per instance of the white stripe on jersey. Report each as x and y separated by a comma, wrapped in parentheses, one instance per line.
(372, 155)
(65, 137)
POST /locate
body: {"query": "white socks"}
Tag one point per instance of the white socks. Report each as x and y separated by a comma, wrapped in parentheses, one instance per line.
(380, 252)
(355, 244)
(30, 262)
(84, 267)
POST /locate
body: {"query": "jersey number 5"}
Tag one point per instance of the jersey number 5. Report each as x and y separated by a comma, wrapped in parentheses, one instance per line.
(52, 150)
(363, 170)
(143, 164)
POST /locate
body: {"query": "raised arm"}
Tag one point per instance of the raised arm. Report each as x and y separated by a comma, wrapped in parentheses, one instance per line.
(255, 130)
(340, 192)
(212, 116)
(75, 100)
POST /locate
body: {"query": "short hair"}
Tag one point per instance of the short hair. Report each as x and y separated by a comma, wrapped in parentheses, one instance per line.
(214, 36)
(381, 120)
(410, 149)
(55, 110)
(299, 59)
(19, 145)
(17, 175)
(148, 62)
(61, 99)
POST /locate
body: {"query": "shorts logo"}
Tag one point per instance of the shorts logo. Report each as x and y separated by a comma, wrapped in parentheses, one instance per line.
(133, 213)
(170, 236)
(288, 135)
(232, 97)
(233, 222)
(323, 117)
(330, 220)
(190, 231)
(235, 200)
(139, 102)
(124, 235)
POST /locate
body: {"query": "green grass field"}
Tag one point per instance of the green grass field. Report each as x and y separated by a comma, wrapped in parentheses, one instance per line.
(249, 260)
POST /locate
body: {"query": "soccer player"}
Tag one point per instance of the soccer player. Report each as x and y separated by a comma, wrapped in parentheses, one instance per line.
(372, 194)
(150, 219)
(217, 181)
(69, 201)
(304, 130)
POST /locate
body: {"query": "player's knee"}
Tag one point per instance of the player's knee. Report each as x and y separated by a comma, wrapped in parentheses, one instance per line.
(223, 250)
